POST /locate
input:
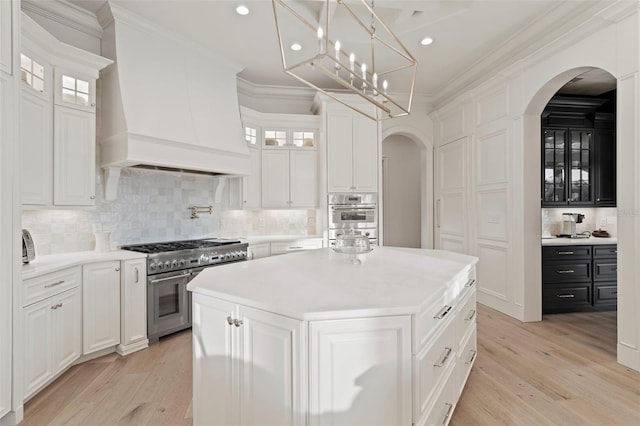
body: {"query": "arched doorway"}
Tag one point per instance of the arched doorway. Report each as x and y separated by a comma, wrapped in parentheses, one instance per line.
(401, 141)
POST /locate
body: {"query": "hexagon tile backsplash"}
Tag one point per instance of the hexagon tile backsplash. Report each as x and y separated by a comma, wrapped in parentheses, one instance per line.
(153, 206)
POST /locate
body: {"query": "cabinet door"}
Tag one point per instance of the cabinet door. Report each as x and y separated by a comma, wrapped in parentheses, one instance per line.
(451, 202)
(133, 303)
(272, 387)
(38, 344)
(554, 148)
(303, 179)
(100, 306)
(580, 166)
(67, 329)
(6, 36)
(74, 159)
(340, 151)
(251, 184)
(36, 143)
(257, 251)
(605, 168)
(215, 393)
(275, 179)
(75, 90)
(365, 154)
(360, 371)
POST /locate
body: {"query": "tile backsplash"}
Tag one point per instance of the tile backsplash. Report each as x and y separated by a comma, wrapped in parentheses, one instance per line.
(594, 218)
(153, 206)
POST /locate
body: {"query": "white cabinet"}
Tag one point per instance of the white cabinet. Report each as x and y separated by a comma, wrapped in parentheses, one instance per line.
(100, 306)
(289, 178)
(283, 247)
(52, 321)
(133, 306)
(251, 184)
(257, 251)
(74, 157)
(247, 365)
(58, 121)
(360, 371)
(6, 35)
(352, 152)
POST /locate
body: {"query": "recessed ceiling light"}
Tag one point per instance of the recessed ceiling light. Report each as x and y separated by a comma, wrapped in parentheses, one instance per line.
(426, 41)
(296, 47)
(242, 10)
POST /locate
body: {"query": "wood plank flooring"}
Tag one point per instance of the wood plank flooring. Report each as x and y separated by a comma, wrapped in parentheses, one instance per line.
(560, 371)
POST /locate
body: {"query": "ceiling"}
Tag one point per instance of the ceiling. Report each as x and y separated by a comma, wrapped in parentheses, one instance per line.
(466, 33)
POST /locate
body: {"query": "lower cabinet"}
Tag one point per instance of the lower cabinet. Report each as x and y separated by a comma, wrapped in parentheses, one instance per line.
(100, 306)
(360, 371)
(248, 365)
(52, 338)
(257, 251)
(133, 306)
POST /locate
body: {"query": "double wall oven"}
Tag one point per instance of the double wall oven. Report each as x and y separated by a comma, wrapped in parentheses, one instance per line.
(170, 267)
(353, 211)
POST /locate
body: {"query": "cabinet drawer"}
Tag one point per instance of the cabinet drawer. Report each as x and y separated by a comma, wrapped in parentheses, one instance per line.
(569, 296)
(429, 322)
(465, 317)
(606, 293)
(566, 252)
(47, 285)
(561, 272)
(605, 270)
(605, 251)
(297, 245)
(465, 360)
(430, 366)
(442, 410)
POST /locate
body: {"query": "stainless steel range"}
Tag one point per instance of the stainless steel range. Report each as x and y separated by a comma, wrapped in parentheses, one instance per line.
(170, 266)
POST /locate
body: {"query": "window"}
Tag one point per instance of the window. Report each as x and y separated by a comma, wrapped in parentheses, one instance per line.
(303, 139)
(275, 137)
(32, 73)
(75, 90)
(250, 135)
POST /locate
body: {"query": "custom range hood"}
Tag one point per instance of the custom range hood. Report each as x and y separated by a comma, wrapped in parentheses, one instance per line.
(167, 103)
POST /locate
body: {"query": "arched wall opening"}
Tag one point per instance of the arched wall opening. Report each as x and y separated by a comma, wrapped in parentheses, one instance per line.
(426, 180)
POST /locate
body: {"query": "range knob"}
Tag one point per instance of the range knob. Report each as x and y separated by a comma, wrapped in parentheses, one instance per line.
(204, 258)
(167, 264)
(182, 262)
(152, 266)
(174, 263)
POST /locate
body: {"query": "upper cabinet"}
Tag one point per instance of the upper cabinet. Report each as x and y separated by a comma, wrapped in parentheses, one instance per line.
(284, 170)
(352, 148)
(578, 152)
(58, 122)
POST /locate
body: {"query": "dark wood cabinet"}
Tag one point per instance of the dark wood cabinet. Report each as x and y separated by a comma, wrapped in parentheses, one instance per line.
(579, 278)
(578, 153)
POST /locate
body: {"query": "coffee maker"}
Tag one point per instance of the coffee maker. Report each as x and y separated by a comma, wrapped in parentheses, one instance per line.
(569, 221)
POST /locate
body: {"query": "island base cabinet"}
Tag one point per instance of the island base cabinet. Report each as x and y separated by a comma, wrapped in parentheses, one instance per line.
(248, 366)
(360, 371)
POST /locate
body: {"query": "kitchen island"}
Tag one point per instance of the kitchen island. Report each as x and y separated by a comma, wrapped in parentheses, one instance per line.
(310, 339)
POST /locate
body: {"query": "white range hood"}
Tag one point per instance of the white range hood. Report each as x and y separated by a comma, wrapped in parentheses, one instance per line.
(167, 103)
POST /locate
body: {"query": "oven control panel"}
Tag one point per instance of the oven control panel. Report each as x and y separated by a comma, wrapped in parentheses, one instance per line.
(174, 262)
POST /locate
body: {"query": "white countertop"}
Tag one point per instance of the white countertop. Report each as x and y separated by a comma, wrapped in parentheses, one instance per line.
(53, 262)
(555, 241)
(259, 239)
(319, 284)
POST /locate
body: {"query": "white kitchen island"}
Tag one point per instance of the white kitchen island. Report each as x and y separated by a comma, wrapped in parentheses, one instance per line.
(309, 339)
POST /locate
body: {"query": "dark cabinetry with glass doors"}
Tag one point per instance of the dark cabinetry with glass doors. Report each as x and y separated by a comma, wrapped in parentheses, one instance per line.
(578, 158)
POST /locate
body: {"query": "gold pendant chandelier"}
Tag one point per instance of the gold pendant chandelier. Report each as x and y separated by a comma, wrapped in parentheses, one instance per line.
(338, 46)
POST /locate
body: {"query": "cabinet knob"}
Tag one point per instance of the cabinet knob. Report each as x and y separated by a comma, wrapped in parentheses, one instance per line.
(93, 197)
(237, 322)
(118, 269)
(93, 104)
(230, 320)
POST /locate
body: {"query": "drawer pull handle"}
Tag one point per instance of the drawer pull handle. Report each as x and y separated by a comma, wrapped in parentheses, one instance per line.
(445, 419)
(445, 357)
(472, 314)
(615, 269)
(472, 357)
(56, 306)
(565, 253)
(295, 248)
(566, 271)
(566, 296)
(54, 284)
(137, 275)
(159, 280)
(615, 293)
(470, 283)
(443, 312)
(615, 251)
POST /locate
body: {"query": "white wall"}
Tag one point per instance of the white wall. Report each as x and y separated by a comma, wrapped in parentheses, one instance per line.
(501, 119)
(402, 182)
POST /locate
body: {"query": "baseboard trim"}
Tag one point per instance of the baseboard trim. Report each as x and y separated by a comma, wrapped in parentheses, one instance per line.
(629, 357)
(124, 350)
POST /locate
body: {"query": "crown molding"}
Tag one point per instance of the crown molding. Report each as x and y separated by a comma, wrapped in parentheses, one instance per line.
(563, 25)
(65, 13)
(288, 93)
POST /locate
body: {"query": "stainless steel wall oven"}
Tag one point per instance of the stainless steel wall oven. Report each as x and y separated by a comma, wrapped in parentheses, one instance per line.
(170, 267)
(353, 211)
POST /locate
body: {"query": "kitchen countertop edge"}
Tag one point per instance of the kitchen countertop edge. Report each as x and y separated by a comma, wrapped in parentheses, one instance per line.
(591, 241)
(54, 262)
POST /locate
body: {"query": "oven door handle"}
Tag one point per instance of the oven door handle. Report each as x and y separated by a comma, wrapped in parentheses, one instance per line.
(352, 208)
(159, 280)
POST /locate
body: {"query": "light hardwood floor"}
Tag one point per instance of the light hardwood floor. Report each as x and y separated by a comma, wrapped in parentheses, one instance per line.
(560, 371)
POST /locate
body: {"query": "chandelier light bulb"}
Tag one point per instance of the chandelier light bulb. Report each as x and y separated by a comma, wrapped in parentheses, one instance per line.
(375, 83)
(385, 84)
(320, 36)
(364, 71)
(337, 45)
